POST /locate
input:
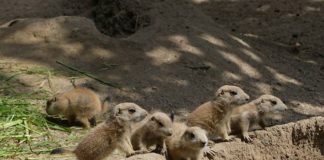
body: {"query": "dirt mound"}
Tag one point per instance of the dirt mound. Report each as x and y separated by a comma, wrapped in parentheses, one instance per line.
(13, 9)
(301, 140)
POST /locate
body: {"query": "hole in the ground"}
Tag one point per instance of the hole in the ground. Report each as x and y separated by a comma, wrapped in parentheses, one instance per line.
(119, 18)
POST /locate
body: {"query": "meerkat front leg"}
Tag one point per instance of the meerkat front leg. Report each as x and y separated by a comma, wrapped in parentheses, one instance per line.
(126, 146)
(244, 126)
(208, 152)
(160, 148)
(261, 123)
(224, 134)
(142, 148)
(84, 121)
(228, 125)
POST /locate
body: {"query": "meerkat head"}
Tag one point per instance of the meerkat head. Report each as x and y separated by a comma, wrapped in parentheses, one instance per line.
(194, 137)
(231, 95)
(270, 104)
(129, 112)
(160, 123)
(56, 106)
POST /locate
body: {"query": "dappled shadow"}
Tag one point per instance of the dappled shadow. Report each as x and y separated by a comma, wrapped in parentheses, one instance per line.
(176, 63)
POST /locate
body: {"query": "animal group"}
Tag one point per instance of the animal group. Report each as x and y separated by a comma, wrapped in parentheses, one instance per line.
(132, 130)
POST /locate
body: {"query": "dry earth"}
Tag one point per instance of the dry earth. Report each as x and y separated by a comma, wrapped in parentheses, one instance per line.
(177, 55)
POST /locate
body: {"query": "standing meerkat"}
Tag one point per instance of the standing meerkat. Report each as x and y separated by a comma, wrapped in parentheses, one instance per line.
(255, 112)
(78, 104)
(152, 132)
(112, 134)
(186, 142)
(214, 116)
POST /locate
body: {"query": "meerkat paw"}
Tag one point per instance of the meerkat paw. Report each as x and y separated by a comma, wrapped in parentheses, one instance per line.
(211, 143)
(137, 152)
(209, 153)
(247, 138)
(161, 151)
(229, 138)
(131, 154)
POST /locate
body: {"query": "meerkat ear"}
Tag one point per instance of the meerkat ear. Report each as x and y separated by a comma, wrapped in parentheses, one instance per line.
(153, 118)
(117, 111)
(219, 93)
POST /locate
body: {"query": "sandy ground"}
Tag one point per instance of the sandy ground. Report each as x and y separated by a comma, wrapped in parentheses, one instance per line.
(188, 49)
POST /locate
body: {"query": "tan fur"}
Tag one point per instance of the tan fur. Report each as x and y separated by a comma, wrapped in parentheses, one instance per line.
(153, 131)
(112, 134)
(79, 104)
(186, 142)
(255, 112)
(214, 116)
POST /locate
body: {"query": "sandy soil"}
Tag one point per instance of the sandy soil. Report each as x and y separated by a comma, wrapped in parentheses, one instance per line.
(186, 50)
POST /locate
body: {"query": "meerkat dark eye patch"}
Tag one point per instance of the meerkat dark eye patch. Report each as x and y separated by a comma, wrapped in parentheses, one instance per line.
(273, 102)
(191, 135)
(233, 93)
(131, 111)
(160, 124)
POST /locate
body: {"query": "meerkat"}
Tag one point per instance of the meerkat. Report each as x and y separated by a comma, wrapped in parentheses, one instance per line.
(186, 142)
(114, 133)
(214, 116)
(255, 113)
(79, 104)
(152, 132)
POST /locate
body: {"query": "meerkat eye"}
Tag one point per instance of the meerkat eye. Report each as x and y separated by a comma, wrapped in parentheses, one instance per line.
(160, 124)
(233, 93)
(191, 136)
(131, 111)
(273, 102)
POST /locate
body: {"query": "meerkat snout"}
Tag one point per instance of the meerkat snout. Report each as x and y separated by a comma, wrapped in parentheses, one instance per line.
(232, 95)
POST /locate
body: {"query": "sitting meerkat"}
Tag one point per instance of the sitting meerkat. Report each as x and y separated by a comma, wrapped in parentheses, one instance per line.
(255, 112)
(214, 116)
(112, 134)
(186, 142)
(79, 104)
(152, 132)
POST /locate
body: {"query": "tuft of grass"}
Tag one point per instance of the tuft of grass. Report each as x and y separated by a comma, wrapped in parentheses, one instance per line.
(36, 70)
(24, 130)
